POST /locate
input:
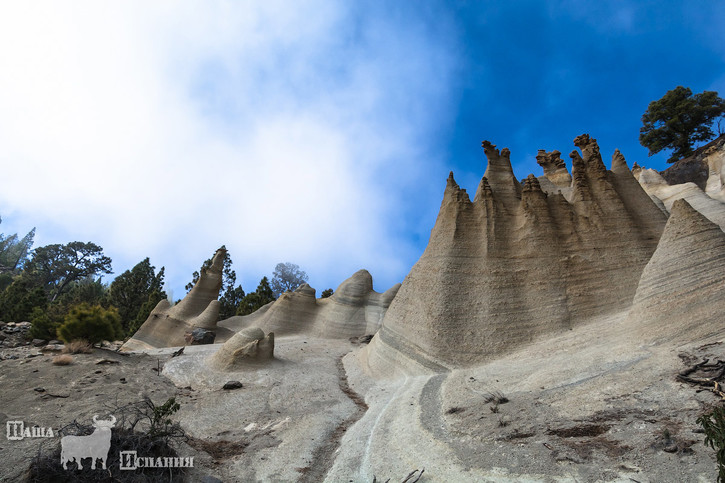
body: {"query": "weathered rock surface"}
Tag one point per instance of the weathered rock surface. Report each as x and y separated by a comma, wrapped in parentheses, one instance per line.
(354, 309)
(166, 326)
(656, 186)
(680, 292)
(556, 177)
(696, 168)
(715, 156)
(699, 179)
(518, 263)
(247, 347)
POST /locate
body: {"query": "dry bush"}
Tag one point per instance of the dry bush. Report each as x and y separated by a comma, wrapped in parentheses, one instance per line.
(455, 410)
(413, 477)
(141, 426)
(495, 397)
(78, 346)
(62, 360)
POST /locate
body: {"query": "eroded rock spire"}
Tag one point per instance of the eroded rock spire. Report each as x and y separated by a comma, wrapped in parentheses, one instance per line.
(500, 175)
(532, 259)
(554, 168)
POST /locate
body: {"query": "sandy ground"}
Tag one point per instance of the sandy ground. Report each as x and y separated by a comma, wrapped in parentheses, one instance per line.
(588, 405)
(39, 393)
(286, 419)
(284, 424)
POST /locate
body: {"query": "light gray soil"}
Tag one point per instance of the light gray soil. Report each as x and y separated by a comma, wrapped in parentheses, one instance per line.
(587, 405)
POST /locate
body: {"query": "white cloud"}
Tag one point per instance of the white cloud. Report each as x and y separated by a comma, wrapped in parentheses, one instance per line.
(289, 131)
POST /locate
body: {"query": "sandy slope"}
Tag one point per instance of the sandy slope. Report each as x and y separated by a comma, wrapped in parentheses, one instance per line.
(588, 405)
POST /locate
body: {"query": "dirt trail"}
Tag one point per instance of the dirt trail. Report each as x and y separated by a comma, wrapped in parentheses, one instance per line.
(324, 455)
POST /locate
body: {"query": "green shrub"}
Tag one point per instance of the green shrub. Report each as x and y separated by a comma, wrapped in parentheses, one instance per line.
(43, 326)
(91, 323)
(161, 424)
(714, 425)
(19, 299)
(6, 279)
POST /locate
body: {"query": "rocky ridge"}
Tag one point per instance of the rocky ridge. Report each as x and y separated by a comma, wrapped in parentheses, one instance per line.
(353, 310)
(168, 326)
(519, 262)
(538, 338)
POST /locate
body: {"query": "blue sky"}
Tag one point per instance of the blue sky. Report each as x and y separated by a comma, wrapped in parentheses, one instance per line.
(316, 132)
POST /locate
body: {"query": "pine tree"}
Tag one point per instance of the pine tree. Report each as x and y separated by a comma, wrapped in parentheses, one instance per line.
(678, 120)
(132, 290)
(256, 300)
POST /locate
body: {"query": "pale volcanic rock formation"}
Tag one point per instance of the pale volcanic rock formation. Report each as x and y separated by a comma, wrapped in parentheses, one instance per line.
(554, 168)
(291, 313)
(656, 186)
(354, 309)
(556, 177)
(680, 293)
(696, 168)
(167, 325)
(248, 347)
(715, 157)
(699, 179)
(518, 262)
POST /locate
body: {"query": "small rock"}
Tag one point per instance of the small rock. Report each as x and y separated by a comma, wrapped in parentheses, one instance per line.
(123, 380)
(670, 448)
(106, 361)
(39, 389)
(365, 339)
(232, 385)
(52, 347)
(12, 356)
(54, 342)
(31, 355)
(200, 337)
(24, 325)
(39, 342)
